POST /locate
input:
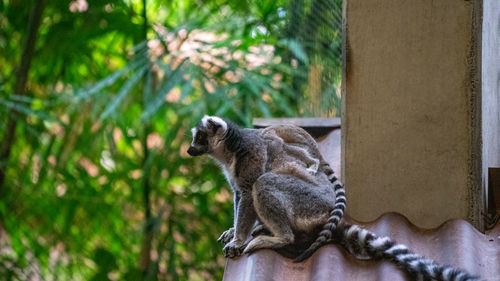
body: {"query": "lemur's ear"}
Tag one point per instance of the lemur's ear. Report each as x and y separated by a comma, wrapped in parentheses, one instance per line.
(214, 123)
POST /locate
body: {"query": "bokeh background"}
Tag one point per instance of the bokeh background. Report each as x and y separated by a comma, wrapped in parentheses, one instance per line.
(96, 101)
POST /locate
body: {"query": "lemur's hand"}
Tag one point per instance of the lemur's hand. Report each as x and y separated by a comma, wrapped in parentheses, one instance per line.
(226, 236)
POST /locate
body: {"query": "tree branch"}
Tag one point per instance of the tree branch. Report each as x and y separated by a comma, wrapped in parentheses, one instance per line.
(20, 86)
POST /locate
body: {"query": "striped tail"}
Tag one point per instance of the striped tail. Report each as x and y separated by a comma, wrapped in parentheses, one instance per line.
(365, 244)
(335, 215)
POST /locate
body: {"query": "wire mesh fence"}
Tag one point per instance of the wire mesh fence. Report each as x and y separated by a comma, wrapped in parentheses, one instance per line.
(317, 26)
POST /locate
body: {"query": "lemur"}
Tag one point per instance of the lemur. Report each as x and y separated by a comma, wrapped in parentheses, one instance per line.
(283, 145)
(273, 182)
(298, 145)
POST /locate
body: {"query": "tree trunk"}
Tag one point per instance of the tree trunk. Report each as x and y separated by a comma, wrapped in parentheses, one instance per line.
(145, 258)
(20, 86)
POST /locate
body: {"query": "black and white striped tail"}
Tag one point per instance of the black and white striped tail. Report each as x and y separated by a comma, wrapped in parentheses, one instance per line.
(335, 215)
(367, 245)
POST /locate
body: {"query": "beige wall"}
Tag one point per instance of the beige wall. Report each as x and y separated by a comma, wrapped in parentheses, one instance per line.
(409, 94)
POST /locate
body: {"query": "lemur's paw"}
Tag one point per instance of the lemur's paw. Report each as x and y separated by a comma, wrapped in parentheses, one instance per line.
(261, 242)
(233, 249)
(250, 248)
(313, 169)
(226, 236)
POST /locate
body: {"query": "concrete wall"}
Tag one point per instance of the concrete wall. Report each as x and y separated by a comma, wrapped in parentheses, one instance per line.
(410, 105)
(490, 86)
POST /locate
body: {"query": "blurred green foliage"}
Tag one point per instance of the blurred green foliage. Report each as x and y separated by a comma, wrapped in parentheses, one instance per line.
(98, 185)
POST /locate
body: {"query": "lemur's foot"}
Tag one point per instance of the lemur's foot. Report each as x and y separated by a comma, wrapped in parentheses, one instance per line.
(266, 242)
(233, 249)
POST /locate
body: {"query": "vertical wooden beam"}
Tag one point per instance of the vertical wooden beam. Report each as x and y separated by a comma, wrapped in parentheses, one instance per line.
(412, 110)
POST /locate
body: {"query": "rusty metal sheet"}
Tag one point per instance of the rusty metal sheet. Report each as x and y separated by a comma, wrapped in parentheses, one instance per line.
(455, 242)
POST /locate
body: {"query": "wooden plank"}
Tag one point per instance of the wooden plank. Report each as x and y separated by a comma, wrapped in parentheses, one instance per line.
(317, 127)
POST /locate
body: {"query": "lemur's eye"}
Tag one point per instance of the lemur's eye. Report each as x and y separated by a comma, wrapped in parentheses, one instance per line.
(200, 137)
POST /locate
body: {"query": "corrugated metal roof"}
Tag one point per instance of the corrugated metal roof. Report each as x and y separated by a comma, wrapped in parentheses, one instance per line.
(455, 242)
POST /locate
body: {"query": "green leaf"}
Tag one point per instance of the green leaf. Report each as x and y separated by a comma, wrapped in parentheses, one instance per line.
(295, 48)
(264, 108)
(111, 79)
(110, 109)
(28, 110)
(169, 82)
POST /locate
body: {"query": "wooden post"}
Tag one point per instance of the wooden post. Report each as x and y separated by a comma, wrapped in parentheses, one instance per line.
(420, 108)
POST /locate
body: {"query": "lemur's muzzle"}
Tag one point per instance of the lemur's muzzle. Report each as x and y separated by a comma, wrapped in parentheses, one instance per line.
(193, 151)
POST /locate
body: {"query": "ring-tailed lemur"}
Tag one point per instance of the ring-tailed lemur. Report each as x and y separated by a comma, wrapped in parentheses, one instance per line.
(290, 149)
(270, 185)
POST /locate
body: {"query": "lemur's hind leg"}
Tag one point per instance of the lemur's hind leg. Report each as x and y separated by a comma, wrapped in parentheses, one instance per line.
(302, 154)
(294, 140)
(272, 213)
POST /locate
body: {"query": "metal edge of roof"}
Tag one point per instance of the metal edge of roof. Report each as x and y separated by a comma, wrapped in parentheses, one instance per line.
(455, 242)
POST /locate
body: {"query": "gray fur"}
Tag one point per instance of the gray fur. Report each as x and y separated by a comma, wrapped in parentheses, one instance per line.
(278, 178)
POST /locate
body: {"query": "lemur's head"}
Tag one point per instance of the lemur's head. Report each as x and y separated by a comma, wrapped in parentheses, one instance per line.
(208, 135)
